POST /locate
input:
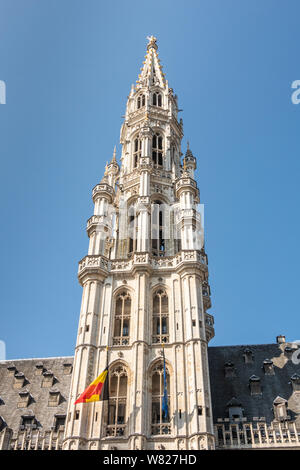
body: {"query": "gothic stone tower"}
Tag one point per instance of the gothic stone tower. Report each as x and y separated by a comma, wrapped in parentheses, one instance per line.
(145, 283)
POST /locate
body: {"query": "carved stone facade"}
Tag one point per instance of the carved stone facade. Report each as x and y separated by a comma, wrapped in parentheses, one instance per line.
(142, 281)
(145, 286)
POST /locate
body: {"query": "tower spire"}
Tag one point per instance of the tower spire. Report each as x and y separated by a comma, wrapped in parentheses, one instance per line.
(151, 72)
(114, 155)
(140, 255)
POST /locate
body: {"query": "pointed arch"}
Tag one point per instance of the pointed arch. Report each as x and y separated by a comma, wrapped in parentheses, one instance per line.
(160, 316)
(117, 415)
(157, 149)
(137, 151)
(157, 99)
(160, 422)
(122, 317)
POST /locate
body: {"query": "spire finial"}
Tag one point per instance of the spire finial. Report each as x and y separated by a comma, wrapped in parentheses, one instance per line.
(152, 42)
(114, 155)
(188, 145)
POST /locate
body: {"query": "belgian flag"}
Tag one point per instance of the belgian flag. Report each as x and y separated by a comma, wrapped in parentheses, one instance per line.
(93, 391)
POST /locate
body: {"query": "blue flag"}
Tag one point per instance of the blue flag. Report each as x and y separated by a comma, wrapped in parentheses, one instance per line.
(164, 407)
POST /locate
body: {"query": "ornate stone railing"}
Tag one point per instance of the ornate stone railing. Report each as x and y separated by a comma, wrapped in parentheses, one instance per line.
(120, 340)
(31, 439)
(156, 263)
(102, 188)
(184, 181)
(98, 223)
(159, 339)
(115, 430)
(162, 428)
(94, 262)
(183, 214)
(244, 435)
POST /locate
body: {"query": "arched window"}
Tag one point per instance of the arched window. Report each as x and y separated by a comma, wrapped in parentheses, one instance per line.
(160, 316)
(157, 99)
(141, 100)
(160, 423)
(157, 150)
(157, 228)
(137, 152)
(117, 400)
(122, 319)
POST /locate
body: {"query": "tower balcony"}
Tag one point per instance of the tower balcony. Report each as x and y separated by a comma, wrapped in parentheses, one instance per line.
(186, 182)
(97, 222)
(190, 258)
(102, 190)
(188, 216)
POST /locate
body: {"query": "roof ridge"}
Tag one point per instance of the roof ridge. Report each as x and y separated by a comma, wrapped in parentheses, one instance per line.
(35, 359)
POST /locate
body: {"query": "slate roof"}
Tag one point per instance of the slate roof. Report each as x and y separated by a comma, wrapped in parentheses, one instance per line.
(223, 389)
(233, 389)
(39, 396)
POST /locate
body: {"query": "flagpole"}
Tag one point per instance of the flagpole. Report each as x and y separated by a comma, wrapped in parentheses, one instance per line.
(165, 410)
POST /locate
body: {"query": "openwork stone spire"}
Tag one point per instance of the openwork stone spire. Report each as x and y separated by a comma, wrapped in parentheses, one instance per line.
(151, 72)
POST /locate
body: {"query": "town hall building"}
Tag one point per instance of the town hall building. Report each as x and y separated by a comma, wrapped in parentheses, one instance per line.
(144, 314)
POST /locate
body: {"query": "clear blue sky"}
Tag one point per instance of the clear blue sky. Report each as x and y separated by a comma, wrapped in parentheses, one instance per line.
(68, 67)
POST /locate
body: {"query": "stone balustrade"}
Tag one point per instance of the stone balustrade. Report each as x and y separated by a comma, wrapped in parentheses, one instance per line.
(247, 435)
(32, 439)
(155, 263)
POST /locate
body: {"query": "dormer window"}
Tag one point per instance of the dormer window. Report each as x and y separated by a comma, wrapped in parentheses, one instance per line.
(54, 397)
(59, 423)
(141, 100)
(24, 399)
(235, 410)
(280, 339)
(255, 385)
(288, 351)
(268, 367)
(248, 356)
(280, 409)
(295, 382)
(157, 150)
(39, 368)
(67, 368)
(12, 369)
(28, 422)
(19, 380)
(229, 370)
(157, 99)
(48, 379)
